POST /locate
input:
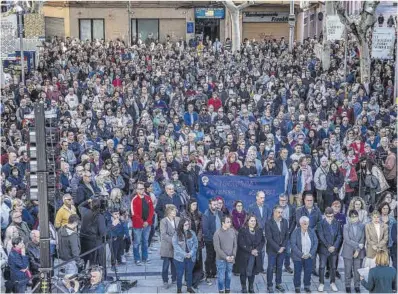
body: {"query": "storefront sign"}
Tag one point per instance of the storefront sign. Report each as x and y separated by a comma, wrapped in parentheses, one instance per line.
(383, 40)
(190, 27)
(260, 16)
(334, 28)
(210, 12)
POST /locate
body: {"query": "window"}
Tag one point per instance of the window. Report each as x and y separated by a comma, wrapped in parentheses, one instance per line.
(145, 28)
(91, 29)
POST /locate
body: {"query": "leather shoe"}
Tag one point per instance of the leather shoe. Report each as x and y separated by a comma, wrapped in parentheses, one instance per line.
(270, 290)
(357, 290)
(297, 290)
(347, 289)
(244, 289)
(307, 290)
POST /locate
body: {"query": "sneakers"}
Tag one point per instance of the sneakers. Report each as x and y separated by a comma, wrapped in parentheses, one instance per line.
(190, 290)
(288, 269)
(123, 259)
(166, 285)
(138, 263)
(334, 288)
(270, 290)
(128, 254)
(321, 287)
(280, 288)
(148, 261)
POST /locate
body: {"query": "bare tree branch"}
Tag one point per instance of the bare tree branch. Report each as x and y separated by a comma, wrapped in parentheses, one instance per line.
(341, 12)
(244, 5)
(230, 5)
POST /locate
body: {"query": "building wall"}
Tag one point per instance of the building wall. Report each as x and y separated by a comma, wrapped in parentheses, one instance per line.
(61, 12)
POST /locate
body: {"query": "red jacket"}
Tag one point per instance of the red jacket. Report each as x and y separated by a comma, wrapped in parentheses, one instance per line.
(359, 150)
(217, 103)
(136, 211)
(352, 176)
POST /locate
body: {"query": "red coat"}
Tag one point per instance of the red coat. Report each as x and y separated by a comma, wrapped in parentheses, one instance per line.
(217, 103)
(352, 176)
(359, 149)
(136, 211)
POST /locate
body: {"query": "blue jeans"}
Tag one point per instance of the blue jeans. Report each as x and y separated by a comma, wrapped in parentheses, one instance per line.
(298, 267)
(141, 237)
(182, 267)
(224, 274)
(167, 261)
(275, 260)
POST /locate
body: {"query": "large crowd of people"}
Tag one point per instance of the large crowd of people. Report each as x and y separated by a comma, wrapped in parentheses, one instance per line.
(139, 124)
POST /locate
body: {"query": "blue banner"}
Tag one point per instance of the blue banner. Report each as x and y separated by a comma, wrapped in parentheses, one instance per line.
(190, 27)
(232, 188)
(216, 12)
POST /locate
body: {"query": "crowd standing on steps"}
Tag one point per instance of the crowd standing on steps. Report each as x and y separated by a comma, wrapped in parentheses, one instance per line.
(138, 124)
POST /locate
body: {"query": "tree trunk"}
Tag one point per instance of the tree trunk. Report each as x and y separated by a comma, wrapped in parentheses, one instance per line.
(235, 30)
(364, 59)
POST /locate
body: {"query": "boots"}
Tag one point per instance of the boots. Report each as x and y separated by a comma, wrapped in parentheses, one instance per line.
(251, 284)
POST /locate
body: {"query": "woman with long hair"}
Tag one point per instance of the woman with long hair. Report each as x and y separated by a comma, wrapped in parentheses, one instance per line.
(238, 215)
(334, 182)
(294, 184)
(185, 246)
(358, 204)
(231, 167)
(249, 258)
(195, 217)
(386, 218)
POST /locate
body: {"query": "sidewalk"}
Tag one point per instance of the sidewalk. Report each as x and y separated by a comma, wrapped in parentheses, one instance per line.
(150, 281)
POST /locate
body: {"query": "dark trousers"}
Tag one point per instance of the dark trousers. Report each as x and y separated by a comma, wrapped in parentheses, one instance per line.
(127, 244)
(167, 261)
(197, 269)
(117, 249)
(275, 260)
(287, 254)
(20, 286)
(250, 279)
(210, 263)
(182, 267)
(323, 258)
(299, 266)
(393, 254)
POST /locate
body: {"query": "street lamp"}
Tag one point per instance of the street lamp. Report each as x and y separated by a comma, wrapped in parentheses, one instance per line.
(19, 11)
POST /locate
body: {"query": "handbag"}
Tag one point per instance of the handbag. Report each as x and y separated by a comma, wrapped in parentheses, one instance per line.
(371, 182)
(7, 272)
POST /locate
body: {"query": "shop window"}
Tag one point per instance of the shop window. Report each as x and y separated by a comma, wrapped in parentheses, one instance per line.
(91, 29)
(145, 29)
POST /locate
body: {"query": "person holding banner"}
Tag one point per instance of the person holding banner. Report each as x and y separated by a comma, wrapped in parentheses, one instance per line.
(249, 258)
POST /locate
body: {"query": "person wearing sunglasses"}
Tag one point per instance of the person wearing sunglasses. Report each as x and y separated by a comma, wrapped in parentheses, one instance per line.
(66, 210)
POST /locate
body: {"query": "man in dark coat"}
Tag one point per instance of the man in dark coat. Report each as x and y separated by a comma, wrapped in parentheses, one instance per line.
(170, 197)
(86, 189)
(33, 252)
(277, 234)
(69, 244)
(329, 234)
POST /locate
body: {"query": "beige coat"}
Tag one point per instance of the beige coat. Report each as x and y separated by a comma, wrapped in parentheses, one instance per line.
(166, 236)
(372, 240)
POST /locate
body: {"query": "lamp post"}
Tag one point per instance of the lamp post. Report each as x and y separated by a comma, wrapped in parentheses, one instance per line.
(292, 23)
(19, 10)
